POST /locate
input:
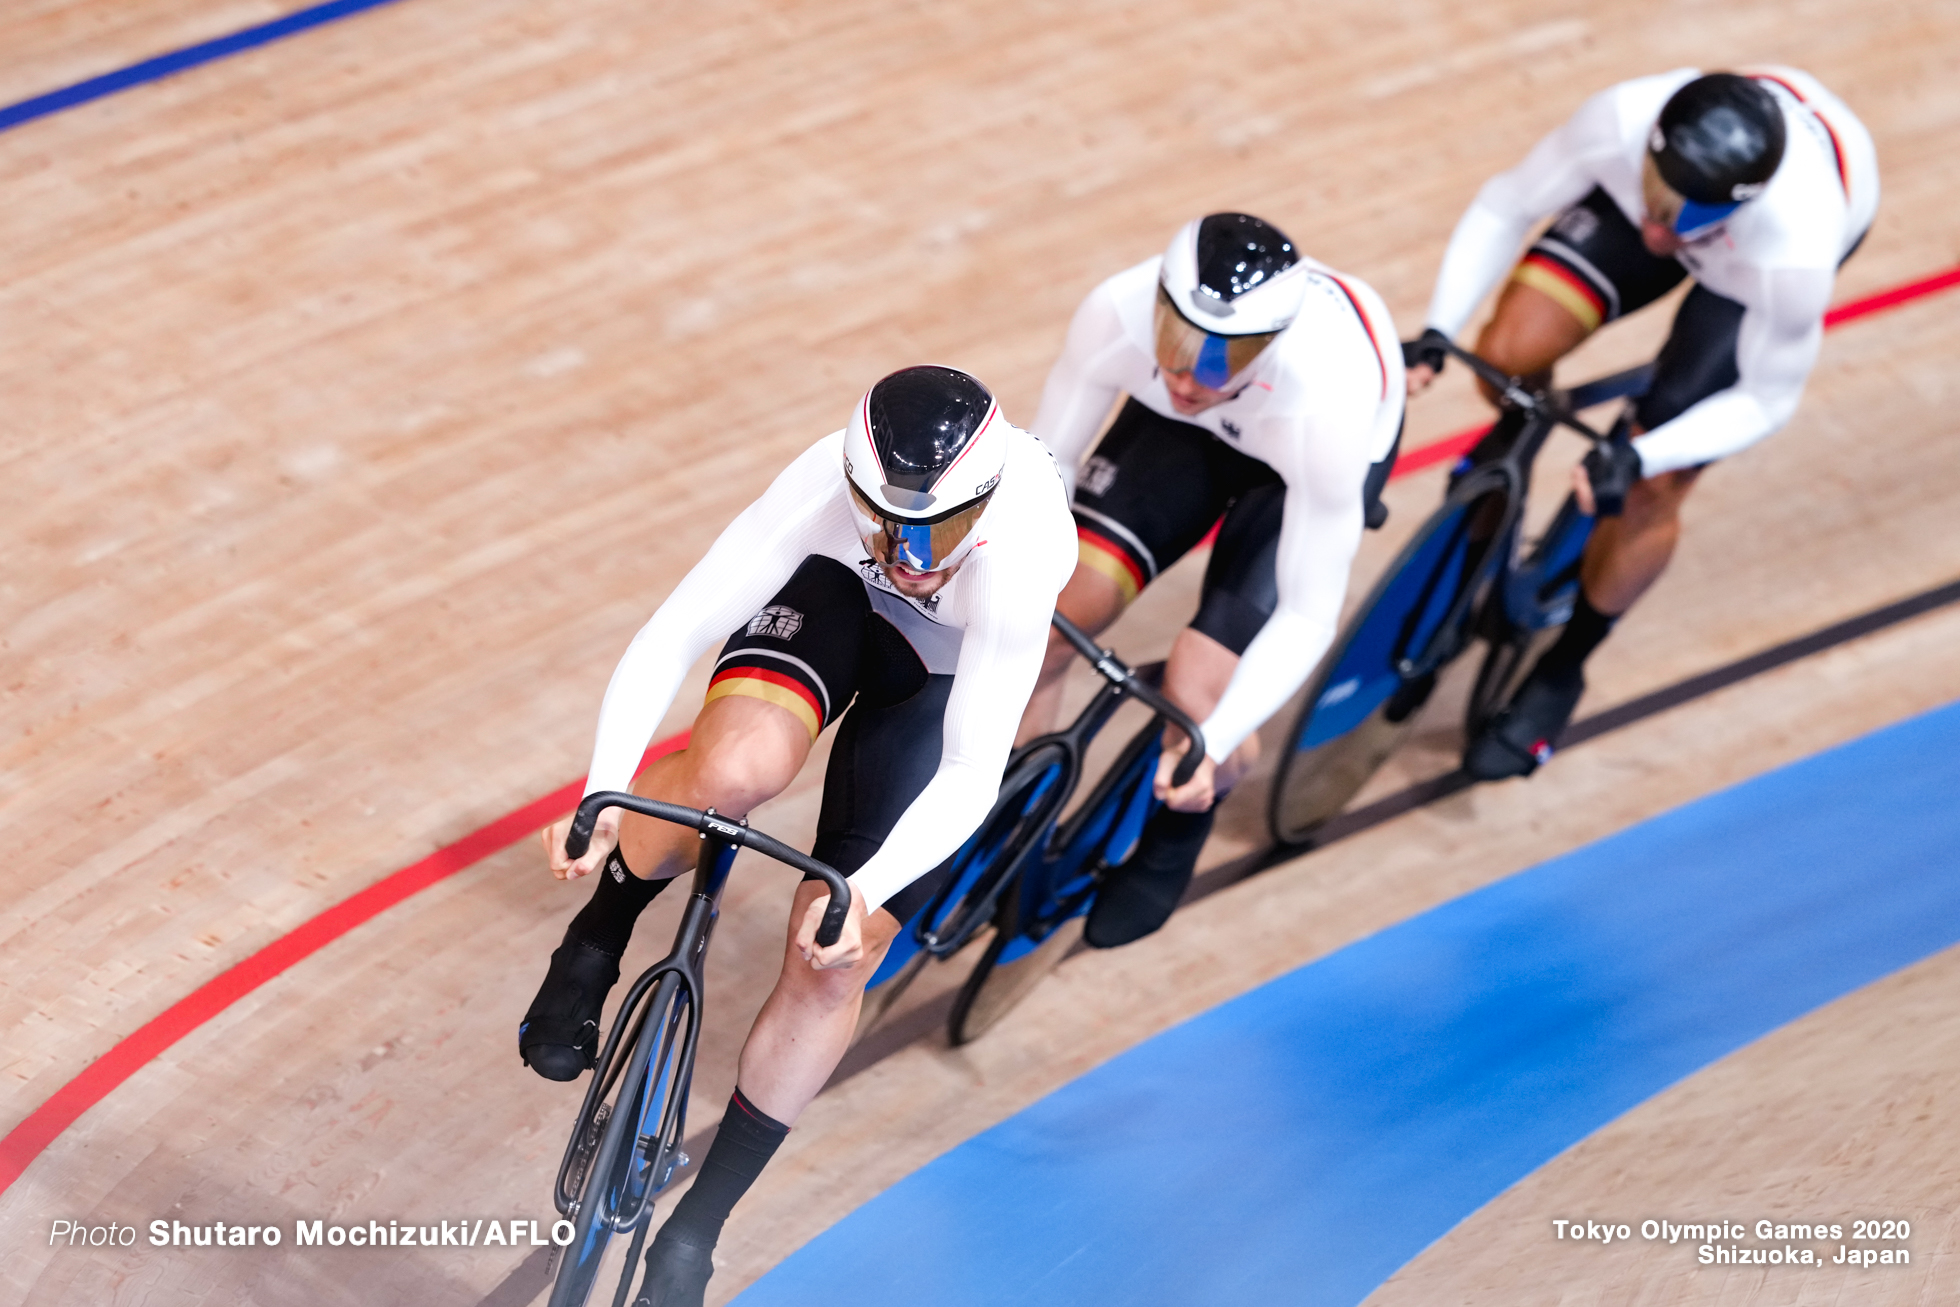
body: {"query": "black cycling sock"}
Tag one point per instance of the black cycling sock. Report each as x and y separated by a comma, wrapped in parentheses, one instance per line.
(606, 921)
(747, 1138)
(1581, 636)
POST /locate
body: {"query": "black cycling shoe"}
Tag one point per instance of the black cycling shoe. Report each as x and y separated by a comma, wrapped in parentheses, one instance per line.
(677, 1273)
(559, 1036)
(1519, 740)
(1139, 896)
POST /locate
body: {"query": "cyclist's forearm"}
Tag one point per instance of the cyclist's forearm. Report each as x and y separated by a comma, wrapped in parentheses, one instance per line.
(1776, 346)
(1721, 425)
(1275, 665)
(747, 564)
(1481, 250)
(949, 809)
(1075, 400)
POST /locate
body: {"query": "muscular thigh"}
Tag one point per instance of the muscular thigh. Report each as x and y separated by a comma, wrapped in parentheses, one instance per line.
(801, 652)
(1241, 583)
(884, 755)
(1589, 268)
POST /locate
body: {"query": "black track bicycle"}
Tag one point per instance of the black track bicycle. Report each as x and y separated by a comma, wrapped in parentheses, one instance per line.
(1467, 572)
(1030, 874)
(626, 1144)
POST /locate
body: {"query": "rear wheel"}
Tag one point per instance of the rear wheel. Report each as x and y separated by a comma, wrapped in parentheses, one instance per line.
(1366, 694)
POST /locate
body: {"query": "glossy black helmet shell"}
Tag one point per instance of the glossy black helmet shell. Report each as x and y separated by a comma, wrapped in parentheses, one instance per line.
(1719, 140)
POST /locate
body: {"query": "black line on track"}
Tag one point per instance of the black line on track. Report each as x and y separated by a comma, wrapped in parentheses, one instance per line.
(529, 1279)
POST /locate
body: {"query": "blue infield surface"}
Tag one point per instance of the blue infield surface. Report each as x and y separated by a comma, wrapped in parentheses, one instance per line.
(1302, 1142)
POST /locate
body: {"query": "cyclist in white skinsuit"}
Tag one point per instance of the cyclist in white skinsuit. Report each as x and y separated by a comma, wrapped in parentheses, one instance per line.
(904, 569)
(1758, 185)
(1264, 387)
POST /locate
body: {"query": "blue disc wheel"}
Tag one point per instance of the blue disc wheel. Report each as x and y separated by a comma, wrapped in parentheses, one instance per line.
(1364, 697)
(1039, 914)
(1038, 783)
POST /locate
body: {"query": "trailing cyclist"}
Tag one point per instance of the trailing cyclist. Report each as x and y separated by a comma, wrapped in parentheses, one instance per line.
(1758, 185)
(904, 568)
(1264, 388)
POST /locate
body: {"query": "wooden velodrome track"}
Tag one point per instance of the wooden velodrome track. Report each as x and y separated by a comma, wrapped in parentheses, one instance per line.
(364, 393)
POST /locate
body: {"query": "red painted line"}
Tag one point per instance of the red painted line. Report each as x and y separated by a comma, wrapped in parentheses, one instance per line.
(1891, 299)
(1453, 445)
(26, 1141)
(1436, 451)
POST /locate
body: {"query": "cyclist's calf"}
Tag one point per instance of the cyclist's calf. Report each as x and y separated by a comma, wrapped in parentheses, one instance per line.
(807, 1022)
(1627, 554)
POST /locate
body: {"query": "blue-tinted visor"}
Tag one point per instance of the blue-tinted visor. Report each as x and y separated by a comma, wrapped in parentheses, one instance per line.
(1695, 218)
(1211, 359)
(920, 546)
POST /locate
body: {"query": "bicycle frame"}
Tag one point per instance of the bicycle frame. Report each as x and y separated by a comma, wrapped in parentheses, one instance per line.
(982, 885)
(1459, 576)
(1544, 412)
(635, 1145)
(684, 963)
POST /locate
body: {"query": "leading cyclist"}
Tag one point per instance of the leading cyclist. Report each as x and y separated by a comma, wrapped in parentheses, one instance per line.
(1262, 387)
(909, 562)
(1758, 185)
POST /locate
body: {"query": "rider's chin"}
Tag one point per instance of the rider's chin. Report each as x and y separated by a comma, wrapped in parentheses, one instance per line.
(908, 582)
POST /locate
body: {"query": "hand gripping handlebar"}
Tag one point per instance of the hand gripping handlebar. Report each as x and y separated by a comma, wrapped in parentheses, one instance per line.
(1112, 670)
(711, 826)
(1557, 406)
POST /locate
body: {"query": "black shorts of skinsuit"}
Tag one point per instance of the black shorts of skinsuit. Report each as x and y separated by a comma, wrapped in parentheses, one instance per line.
(1151, 491)
(822, 652)
(1593, 262)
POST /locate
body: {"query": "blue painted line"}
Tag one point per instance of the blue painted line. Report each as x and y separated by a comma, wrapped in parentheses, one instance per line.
(177, 61)
(1302, 1142)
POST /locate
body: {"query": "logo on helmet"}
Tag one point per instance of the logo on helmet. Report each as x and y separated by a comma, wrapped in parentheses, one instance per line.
(1747, 190)
(1211, 302)
(986, 487)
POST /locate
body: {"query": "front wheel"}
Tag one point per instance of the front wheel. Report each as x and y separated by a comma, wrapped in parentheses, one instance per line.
(636, 1147)
(1041, 912)
(1364, 698)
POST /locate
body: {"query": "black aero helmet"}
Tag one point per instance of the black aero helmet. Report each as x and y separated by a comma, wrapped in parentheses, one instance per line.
(923, 454)
(1719, 139)
(1225, 273)
(1229, 284)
